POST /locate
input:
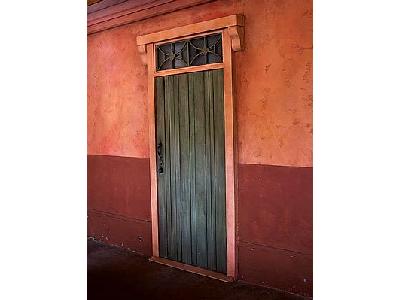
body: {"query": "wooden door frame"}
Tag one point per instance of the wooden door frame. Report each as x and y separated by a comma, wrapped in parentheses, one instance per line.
(232, 29)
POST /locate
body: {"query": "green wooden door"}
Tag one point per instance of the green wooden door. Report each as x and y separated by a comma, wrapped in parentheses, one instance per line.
(191, 168)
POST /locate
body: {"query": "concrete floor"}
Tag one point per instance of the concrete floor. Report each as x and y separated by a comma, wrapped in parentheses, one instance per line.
(114, 273)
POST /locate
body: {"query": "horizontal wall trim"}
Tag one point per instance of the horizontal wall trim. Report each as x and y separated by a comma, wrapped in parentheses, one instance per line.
(254, 244)
(116, 246)
(117, 216)
(274, 165)
(122, 232)
(240, 163)
(132, 11)
(122, 156)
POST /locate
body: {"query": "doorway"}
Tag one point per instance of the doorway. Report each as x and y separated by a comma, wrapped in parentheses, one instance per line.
(188, 234)
(190, 146)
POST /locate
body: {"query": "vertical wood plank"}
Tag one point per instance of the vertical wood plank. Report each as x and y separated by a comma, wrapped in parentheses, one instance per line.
(169, 186)
(219, 165)
(176, 168)
(192, 168)
(199, 169)
(160, 140)
(208, 168)
(185, 167)
(174, 184)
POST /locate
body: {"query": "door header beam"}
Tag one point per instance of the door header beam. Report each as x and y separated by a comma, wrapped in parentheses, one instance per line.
(233, 23)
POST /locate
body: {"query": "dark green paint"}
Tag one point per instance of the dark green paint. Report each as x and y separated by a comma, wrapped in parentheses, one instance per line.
(219, 172)
(191, 190)
(162, 209)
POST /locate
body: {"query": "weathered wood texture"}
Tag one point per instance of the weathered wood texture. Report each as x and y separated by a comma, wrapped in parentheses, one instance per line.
(191, 189)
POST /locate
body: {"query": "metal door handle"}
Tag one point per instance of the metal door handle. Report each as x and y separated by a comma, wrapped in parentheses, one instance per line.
(160, 158)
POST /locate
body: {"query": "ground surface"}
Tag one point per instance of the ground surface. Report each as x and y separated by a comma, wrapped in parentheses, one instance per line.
(114, 273)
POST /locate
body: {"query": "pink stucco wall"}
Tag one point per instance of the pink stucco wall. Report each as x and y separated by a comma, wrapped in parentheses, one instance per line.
(273, 90)
(273, 82)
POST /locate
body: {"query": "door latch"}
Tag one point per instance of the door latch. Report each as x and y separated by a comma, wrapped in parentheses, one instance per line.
(160, 158)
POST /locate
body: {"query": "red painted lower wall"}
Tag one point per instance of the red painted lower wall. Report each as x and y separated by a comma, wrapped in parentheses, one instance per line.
(275, 227)
(274, 217)
(119, 201)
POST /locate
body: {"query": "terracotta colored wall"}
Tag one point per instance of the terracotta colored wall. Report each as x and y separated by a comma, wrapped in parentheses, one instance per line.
(117, 89)
(273, 82)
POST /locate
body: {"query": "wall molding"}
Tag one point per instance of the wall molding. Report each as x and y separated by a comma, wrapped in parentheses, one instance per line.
(116, 216)
(113, 13)
(245, 243)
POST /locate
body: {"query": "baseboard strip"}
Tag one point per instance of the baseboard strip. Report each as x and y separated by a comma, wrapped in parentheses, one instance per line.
(192, 269)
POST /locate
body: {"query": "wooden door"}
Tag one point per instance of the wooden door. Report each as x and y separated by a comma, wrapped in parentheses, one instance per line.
(191, 168)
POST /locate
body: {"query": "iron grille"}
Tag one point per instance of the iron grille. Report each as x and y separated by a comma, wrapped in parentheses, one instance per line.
(192, 52)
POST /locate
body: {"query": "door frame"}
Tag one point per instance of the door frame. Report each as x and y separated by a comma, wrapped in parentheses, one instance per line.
(232, 29)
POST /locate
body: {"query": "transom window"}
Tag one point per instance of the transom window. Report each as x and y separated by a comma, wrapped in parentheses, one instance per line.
(191, 52)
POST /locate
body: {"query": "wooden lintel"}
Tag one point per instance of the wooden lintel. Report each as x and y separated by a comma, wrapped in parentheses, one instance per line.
(233, 23)
(196, 28)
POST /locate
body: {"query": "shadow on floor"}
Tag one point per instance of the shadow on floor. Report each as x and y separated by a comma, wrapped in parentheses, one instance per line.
(115, 273)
